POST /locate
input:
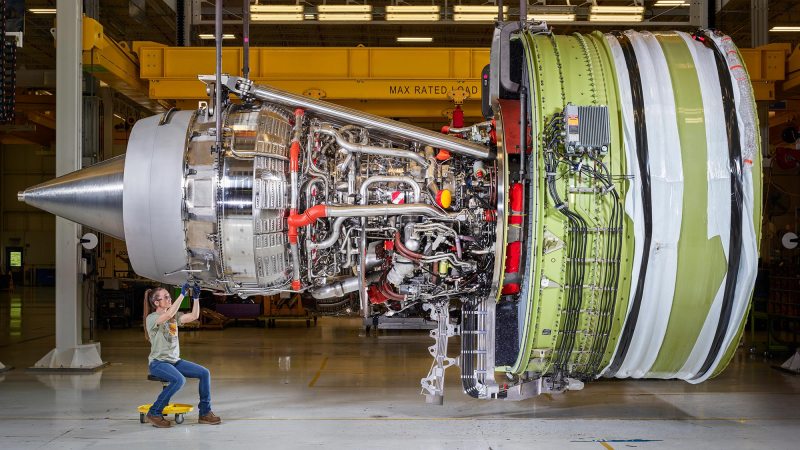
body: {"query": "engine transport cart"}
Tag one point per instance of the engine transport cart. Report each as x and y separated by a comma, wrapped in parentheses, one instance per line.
(279, 307)
(176, 409)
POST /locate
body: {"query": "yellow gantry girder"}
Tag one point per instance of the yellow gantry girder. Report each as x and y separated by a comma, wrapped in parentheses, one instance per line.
(414, 83)
(114, 64)
(393, 82)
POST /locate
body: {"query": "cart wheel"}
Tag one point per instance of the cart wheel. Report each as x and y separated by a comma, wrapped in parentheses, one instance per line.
(179, 418)
(141, 418)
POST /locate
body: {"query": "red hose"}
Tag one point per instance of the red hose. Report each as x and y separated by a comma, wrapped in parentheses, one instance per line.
(403, 250)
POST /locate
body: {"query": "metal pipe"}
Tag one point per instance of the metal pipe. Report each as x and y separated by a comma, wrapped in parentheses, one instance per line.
(500, 11)
(246, 39)
(388, 179)
(218, 75)
(523, 12)
(413, 209)
(351, 147)
(340, 288)
(336, 230)
(469, 128)
(355, 117)
(311, 184)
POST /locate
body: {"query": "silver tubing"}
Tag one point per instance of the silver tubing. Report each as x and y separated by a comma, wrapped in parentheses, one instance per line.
(310, 185)
(336, 230)
(246, 39)
(355, 117)
(295, 261)
(218, 84)
(350, 148)
(413, 209)
(388, 179)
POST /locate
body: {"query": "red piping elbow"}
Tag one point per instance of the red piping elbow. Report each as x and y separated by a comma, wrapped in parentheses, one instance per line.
(308, 217)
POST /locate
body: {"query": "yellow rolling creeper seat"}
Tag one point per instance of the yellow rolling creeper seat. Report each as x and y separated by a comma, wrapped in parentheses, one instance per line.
(178, 409)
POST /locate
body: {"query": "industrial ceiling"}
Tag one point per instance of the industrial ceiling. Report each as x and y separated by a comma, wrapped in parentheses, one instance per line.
(155, 20)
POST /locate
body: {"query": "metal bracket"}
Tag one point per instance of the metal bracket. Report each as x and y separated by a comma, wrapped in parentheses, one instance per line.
(433, 384)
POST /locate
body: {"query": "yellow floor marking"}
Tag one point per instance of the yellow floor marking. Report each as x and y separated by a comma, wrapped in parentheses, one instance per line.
(319, 372)
(606, 445)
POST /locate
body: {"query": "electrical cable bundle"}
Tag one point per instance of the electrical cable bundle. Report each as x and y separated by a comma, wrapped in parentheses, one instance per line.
(576, 246)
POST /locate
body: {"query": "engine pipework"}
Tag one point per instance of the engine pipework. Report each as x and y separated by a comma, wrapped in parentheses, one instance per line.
(598, 222)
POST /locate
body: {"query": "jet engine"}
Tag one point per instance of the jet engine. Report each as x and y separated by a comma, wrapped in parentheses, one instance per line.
(603, 221)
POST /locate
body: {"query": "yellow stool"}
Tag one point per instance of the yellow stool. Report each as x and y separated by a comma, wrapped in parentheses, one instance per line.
(178, 409)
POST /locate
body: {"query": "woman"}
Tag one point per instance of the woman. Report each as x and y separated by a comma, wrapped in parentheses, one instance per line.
(161, 329)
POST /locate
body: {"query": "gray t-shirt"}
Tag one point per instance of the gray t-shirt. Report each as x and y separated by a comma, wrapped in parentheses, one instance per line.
(164, 338)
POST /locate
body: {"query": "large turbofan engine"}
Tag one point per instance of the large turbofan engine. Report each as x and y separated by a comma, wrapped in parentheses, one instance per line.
(603, 223)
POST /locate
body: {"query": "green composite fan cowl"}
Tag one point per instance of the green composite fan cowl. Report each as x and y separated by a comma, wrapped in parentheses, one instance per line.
(643, 255)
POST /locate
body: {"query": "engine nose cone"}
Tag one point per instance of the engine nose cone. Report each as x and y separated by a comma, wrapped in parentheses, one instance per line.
(90, 196)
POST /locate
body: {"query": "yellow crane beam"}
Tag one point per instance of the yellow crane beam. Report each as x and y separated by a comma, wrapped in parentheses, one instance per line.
(392, 82)
(114, 64)
(419, 83)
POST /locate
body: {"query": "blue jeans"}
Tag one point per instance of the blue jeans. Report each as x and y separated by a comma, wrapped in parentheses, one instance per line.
(176, 375)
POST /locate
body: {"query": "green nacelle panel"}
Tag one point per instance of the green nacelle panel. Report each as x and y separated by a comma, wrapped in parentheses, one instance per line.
(642, 216)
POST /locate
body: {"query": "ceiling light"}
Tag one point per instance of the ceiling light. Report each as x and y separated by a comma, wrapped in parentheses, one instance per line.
(412, 17)
(405, 9)
(553, 17)
(309, 16)
(415, 39)
(477, 17)
(42, 10)
(672, 3)
(211, 36)
(259, 17)
(344, 8)
(470, 9)
(276, 8)
(795, 29)
(617, 9)
(615, 18)
(344, 17)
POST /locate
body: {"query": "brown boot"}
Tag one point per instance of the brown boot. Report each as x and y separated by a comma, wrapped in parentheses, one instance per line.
(158, 421)
(210, 419)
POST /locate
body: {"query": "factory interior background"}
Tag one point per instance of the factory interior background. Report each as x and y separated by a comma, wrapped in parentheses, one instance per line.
(292, 371)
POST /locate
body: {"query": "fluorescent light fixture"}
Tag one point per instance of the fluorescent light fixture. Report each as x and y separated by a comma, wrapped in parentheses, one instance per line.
(472, 9)
(617, 9)
(276, 8)
(412, 17)
(477, 17)
(211, 36)
(670, 3)
(344, 17)
(616, 18)
(553, 17)
(261, 17)
(785, 29)
(415, 39)
(309, 16)
(344, 8)
(42, 10)
(406, 9)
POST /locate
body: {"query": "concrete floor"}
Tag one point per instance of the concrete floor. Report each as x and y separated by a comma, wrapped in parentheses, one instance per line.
(330, 386)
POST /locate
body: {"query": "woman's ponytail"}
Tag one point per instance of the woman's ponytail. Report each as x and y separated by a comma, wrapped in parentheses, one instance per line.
(146, 312)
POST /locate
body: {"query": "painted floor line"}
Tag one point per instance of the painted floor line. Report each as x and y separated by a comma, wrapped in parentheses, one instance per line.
(319, 372)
